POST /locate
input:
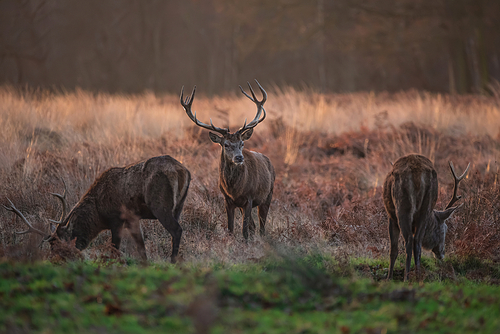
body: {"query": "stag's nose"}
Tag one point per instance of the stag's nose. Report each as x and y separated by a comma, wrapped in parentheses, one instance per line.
(238, 159)
(439, 256)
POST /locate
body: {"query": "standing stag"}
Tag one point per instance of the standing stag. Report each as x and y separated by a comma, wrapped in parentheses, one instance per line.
(151, 189)
(410, 194)
(246, 178)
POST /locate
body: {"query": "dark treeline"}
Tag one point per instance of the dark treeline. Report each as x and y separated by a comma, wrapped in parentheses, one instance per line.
(332, 45)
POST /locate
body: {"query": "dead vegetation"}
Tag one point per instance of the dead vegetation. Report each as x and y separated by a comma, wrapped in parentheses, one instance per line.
(329, 167)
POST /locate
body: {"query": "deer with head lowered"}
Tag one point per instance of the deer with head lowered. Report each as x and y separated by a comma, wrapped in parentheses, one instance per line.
(155, 188)
(246, 178)
(410, 194)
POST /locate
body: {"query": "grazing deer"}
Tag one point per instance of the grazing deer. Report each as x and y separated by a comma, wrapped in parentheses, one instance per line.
(410, 194)
(151, 189)
(246, 178)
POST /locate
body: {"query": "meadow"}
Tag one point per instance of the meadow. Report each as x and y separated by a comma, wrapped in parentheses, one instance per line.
(331, 153)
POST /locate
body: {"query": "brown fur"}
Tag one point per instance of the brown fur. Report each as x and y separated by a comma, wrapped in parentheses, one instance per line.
(246, 185)
(151, 189)
(246, 179)
(410, 194)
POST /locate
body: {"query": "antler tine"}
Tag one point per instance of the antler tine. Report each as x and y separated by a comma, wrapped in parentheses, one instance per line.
(259, 104)
(456, 182)
(253, 98)
(187, 103)
(256, 120)
(264, 94)
(12, 208)
(64, 203)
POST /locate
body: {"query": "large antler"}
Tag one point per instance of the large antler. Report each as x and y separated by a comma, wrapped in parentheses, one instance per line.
(30, 227)
(187, 107)
(260, 107)
(457, 181)
(62, 198)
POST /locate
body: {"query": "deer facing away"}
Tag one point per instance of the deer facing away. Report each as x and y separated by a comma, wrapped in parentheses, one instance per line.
(246, 178)
(410, 194)
(151, 189)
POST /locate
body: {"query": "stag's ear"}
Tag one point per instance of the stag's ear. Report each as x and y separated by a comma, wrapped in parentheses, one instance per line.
(247, 134)
(443, 215)
(213, 137)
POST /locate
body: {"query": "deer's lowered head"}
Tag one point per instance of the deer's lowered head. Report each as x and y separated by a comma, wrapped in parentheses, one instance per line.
(435, 234)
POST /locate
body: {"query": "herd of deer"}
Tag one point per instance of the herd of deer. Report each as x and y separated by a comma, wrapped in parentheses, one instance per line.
(157, 188)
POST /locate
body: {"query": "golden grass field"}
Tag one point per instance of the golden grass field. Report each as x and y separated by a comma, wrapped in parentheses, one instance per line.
(331, 153)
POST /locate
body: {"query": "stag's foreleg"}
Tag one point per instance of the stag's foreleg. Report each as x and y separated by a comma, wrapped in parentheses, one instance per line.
(248, 220)
(394, 236)
(116, 234)
(136, 233)
(230, 207)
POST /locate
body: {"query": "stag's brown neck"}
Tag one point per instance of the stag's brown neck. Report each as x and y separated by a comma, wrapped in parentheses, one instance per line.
(82, 224)
(431, 237)
(231, 175)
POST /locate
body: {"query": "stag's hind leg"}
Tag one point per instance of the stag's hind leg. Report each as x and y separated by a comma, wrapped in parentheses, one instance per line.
(160, 200)
(417, 245)
(394, 236)
(167, 219)
(405, 221)
(263, 211)
(165, 215)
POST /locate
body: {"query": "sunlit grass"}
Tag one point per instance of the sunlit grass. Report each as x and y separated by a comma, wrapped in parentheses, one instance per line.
(331, 153)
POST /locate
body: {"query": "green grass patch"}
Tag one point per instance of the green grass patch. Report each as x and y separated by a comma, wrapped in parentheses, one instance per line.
(287, 295)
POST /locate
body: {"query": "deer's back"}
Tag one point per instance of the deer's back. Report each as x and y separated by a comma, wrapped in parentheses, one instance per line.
(411, 186)
(162, 179)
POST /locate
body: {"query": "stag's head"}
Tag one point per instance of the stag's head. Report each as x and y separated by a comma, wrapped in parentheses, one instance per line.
(440, 217)
(60, 232)
(440, 231)
(232, 143)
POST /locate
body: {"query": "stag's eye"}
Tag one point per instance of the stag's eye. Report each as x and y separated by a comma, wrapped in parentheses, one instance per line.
(226, 145)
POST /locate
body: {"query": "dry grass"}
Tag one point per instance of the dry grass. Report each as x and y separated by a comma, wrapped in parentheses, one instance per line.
(331, 154)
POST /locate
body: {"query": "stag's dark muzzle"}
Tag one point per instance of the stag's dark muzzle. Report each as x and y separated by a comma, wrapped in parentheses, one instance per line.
(238, 159)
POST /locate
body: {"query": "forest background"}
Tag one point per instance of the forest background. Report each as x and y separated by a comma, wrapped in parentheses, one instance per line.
(341, 46)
